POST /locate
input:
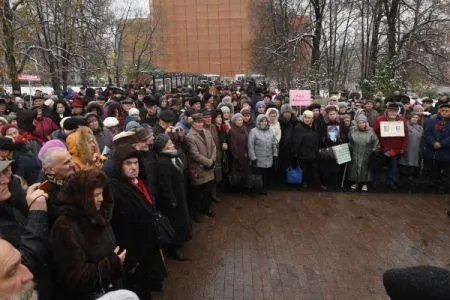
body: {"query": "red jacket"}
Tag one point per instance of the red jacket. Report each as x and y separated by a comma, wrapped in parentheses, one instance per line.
(395, 144)
(44, 128)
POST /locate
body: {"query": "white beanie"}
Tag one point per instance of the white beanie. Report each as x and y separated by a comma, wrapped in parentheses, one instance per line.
(308, 114)
(110, 122)
(133, 111)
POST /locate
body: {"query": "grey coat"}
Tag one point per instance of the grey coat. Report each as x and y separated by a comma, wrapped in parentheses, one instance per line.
(362, 144)
(412, 152)
(262, 145)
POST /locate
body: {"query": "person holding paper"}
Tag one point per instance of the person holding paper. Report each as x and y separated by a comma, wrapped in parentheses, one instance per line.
(392, 146)
(363, 142)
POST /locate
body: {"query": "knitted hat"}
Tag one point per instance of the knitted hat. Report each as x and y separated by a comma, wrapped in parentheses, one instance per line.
(285, 108)
(110, 122)
(4, 164)
(342, 104)
(6, 128)
(133, 111)
(245, 110)
(361, 118)
(132, 126)
(3, 120)
(49, 145)
(77, 103)
(225, 109)
(308, 114)
(235, 116)
(160, 142)
(260, 104)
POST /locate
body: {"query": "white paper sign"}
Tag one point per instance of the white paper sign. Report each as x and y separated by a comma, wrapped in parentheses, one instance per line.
(342, 154)
(392, 129)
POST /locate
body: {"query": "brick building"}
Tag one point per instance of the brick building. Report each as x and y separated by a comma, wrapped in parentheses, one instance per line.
(204, 36)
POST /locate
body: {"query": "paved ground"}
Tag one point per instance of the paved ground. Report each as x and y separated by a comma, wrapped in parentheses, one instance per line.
(293, 245)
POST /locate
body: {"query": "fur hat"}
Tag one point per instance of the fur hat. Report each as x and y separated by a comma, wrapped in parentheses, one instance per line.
(110, 122)
(361, 118)
(286, 108)
(125, 137)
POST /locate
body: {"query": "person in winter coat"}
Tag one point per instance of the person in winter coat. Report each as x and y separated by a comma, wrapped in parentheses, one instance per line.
(83, 147)
(392, 147)
(134, 212)
(87, 260)
(249, 123)
(363, 143)
(237, 142)
(102, 135)
(305, 147)
(219, 134)
(60, 110)
(437, 149)
(25, 164)
(272, 115)
(172, 201)
(287, 121)
(25, 123)
(202, 156)
(44, 126)
(23, 223)
(410, 161)
(329, 135)
(262, 149)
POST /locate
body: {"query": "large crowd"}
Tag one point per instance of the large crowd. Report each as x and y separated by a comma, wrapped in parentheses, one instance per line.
(99, 187)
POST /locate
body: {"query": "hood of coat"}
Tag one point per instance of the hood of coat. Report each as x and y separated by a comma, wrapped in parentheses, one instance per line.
(77, 197)
(259, 118)
(78, 145)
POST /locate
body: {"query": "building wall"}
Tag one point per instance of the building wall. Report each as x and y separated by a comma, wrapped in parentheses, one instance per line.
(204, 36)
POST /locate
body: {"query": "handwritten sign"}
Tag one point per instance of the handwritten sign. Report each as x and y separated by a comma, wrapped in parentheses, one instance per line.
(300, 97)
(392, 129)
(342, 154)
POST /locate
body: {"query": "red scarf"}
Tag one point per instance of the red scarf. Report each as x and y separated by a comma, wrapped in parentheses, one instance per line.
(142, 188)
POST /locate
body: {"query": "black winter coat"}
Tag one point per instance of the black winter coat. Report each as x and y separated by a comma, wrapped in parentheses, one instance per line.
(172, 201)
(285, 145)
(305, 142)
(135, 231)
(27, 231)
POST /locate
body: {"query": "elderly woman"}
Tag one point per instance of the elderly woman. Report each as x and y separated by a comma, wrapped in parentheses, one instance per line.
(87, 261)
(172, 197)
(410, 161)
(238, 149)
(263, 149)
(363, 141)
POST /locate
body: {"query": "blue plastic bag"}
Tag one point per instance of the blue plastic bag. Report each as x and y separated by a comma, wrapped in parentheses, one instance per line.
(294, 176)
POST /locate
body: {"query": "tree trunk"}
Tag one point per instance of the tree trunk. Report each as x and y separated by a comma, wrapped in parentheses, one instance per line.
(378, 12)
(391, 19)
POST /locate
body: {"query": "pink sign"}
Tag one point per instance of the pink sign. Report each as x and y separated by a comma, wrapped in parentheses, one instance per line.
(300, 97)
(29, 77)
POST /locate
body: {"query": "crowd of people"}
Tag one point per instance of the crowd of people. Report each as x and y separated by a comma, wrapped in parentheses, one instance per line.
(98, 187)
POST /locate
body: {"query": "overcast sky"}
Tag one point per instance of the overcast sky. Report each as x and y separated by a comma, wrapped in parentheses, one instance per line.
(140, 5)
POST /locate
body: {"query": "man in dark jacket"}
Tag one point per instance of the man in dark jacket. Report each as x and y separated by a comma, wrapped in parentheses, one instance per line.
(288, 121)
(305, 146)
(437, 149)
(152, 111)
(23, 223)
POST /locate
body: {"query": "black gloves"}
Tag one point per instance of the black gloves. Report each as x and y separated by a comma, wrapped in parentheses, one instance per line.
(275, 162)
(254, 163)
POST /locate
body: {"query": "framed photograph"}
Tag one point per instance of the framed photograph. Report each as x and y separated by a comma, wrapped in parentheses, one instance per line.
(392, 129)
(333, 132)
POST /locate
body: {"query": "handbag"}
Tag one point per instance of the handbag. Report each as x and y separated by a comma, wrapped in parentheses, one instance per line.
(102, 290)
(254, 180)
(235, 177)
(294, 175)
(164, 230)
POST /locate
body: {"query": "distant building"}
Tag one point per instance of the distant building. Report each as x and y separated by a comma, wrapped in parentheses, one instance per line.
(204, 36)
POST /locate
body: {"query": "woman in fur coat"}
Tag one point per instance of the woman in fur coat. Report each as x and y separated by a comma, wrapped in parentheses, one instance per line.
(86, 258)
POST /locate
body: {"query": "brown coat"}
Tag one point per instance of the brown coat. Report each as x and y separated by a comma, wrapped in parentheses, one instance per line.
(202, 156)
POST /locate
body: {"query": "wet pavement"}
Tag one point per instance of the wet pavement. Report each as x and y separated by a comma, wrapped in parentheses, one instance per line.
(307, 245)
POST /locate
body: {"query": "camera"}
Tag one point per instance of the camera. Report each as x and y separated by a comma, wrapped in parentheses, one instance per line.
(176, 129)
